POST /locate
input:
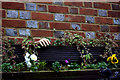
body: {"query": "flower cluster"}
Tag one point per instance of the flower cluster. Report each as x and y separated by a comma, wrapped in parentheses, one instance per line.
(113, 59)
(29, 57)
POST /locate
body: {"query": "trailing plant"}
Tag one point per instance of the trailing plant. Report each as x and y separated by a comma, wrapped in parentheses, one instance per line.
(8, 50)
(56, 66)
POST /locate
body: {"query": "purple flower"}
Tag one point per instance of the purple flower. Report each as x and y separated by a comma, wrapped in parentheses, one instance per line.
(69, 59)
(66, 61)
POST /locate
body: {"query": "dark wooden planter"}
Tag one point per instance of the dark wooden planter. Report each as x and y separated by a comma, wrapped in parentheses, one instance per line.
(59, 53)
(50, 75)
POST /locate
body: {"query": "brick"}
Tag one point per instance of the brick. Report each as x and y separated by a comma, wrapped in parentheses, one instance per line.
(32, 24)
(25, 15)
(41, 7)
(44, 25)
(116, 21)
(31, 6)
(62, 26)
(100, 34)
(49, 2)
(12, 14)
(90, 19)
(104, 28)
(101, 20)
(84, 11)
(75, 26)
(11, 32)
(59, 34)
(58, 2)
(88, 4)
(117, 36)
(79, 4)
(24, 32)
(90, 35)
(114, 28)
(13, 23)
(41, 33)
(74, 10)
(42, 16)
(3, 13)
(59, 17)
(58, 9)
(3, 31)
(90, 27)
(102, 12)
(114, 14)
(115, 7)
(75, 18)
(13, 5)
(102, 5)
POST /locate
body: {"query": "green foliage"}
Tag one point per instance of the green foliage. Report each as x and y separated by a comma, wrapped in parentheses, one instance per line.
(19, 66)
(56, 66)
(6, 67)
(58, 43)
(97, 66)
(37, 65)
(74, 66)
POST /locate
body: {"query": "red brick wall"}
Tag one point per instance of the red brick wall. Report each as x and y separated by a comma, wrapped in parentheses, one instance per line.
(38, 19)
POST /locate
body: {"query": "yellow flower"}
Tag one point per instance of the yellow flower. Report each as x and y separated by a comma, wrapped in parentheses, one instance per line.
(113, 59)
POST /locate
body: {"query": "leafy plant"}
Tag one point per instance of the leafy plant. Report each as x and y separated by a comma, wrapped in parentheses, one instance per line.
(7, 67)
(74, 66)
(56, 66)
(19, 66)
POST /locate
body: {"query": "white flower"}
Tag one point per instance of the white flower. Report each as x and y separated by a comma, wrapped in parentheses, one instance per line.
(33, 57)
(29, 64)
(27, 59)
(27, 54)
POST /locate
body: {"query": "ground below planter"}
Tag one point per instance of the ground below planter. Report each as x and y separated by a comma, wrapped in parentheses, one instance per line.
(50, 75)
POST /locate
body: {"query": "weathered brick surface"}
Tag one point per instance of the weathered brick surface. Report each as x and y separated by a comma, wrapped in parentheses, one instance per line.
(101, 20)
(58, 9)
(59, 17)
(115, 6)
(88, 4)
(114, 14)
(76, 26)
(12, 14)
(79, 4)
(84, 11)
(3, 13)
(31, 6)
(90, 19)
(42, 16)
(59, 34)
(24, 32)
(13, 23)
(42, 8)
(116, 21)
(74, 10)
(13, 5)
(75, 18)
(102, 12)
(62, 26)
(90, 27)
(104, 28)
(52, 19)
(25, 15)
(102, 5)
(32, 24)
(41, 33)
(90, 35)
(11, 32)
(44, 25)
(115, 28)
